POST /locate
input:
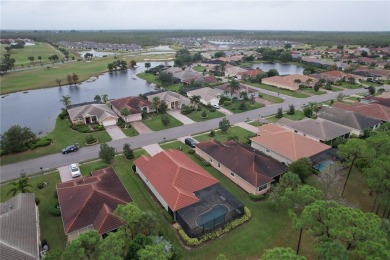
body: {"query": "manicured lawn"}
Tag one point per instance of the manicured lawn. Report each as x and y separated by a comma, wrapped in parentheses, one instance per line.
(130, 131)
(278, 90)
(51, 227)
(312, 91)
(197, 115)
(296, 117)
(255, 123)
(174, 88)
(336, 89)
(368, 83)
(272, 99)
(235, 108)
(199, 68)
(62, 136)
(149, 77)
(87, 168)
(234, 130)
(349, 86)
(175, 145)
(155, 123)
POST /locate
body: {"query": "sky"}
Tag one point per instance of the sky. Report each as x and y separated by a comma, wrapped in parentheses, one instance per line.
(309, 15)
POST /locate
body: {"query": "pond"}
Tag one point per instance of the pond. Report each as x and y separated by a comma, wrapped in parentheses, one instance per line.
(283, 68)
(38, 109)
(96, 53)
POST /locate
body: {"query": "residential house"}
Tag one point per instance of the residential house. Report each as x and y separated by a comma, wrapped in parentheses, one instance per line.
(334, 76)
(92, 113)
(373, 110)
(357, 122)
(384, 101)
(324, 63)
(230, 58)
(251, 73)
(288, 82)
(284, 145)
(208, 96)
(190, 194)
(243, 88)
(19, 228)
(234, 71)
(135, 106)
(172, 99)
(89, 202)
(211, 64)
(210, 79)
(187, 76)
(372, 73)
(320, 129)
(250, 169)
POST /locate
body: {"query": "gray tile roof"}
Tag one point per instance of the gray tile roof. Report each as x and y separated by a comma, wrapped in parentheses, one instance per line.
(19, 228)
(102, 111)
(322, 129)
(347, 118)
(170, 96)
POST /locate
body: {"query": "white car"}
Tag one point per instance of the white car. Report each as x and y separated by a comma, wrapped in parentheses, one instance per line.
(216, 106)
(74, 170)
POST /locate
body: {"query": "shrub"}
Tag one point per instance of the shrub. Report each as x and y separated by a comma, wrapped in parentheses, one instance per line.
(212, 133)
(167, 216)
(227, 103)
(40, 143)
(55, 211)
(257, 197)
(191, 151)
(63, 114)
(212, 109)
(37, 201)
(41, 185)
(242, 106)
(165, 120)
(328, 87)
(89, 139)
(127, 151)
(121, 123)
(81, 128)
(204, 114)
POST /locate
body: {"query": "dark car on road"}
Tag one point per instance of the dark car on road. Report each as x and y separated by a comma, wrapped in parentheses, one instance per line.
(190, 142)
(70, 148)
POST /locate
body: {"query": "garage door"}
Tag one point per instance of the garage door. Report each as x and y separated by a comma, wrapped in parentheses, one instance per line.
(109, 122)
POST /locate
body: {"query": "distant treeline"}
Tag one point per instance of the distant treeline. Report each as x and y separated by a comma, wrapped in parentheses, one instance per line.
(156, 37)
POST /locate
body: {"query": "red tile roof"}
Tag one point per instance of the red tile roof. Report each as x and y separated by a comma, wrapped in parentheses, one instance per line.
(175, 177)
(210, 79)
(92, 200)
(133, 104)
(371, 110)
(287, 143)
(251, 73)
(287, 82)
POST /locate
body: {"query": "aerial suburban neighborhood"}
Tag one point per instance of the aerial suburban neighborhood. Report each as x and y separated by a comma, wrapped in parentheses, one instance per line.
(158, 141)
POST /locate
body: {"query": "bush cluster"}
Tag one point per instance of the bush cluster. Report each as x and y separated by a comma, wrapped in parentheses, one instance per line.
(40, 142)
(89, 139)
(55, 211)
(257, 197)
(63, 114)
(216, 233)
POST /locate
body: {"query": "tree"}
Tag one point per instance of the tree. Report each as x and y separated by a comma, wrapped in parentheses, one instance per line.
(166, 78)
(86, 245)
(219, 54)
(316, 87)
(58, 81)
(132, 216)
(301, 167)
(234, 86)
(163, 107)
(155, 104)
(69, 79)
(75, 78)
(353, 150)
(66, 101)
(291, 109)
(287, 46)
(124, 113)
(107, 153)
(371, 90)
(128, 152)
(148, 223)
(224, 125)
(364, 54)
(20, 185)
(196, 101)
(279, 113)
(104, 98)
(97, 98)
(133, 63)
(329, 178)
(15, 139)
(272, 73)
(165, 120)
(147, 65)
(31, 58)
(154, 251)
(281, 253)
(113, 246)
(110, 67)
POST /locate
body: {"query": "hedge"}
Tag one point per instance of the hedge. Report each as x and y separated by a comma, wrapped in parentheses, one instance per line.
(257, 197)
(216, 233)
(40, 143)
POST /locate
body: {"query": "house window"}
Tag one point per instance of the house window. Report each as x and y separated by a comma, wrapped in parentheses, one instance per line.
(232, 174)
(211, 159)
(219, 165)
(262, 187)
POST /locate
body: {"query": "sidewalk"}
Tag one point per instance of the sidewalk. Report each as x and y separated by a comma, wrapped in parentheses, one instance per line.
(248, 127)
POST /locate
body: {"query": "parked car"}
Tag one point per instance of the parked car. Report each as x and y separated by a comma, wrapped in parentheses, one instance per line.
(190, 142)
(215, 106)
(74, 170)
(70, 148)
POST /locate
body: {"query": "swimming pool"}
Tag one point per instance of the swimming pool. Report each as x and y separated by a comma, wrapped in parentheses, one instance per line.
(212, 217)
(322, 166)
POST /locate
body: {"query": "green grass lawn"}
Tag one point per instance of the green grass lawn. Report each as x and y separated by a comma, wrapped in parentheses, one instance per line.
(149, 77)
(312, 91)
(51, 227)
(336, 89)
(130, 131)
(62, 136)
(87, 168)
(235, 108)
(174, 87)
(155, 123)
(234, 130)
(278, 90)
(368, 83)
(198, 68)
(272, 99)
(197, 115)
(348, 85)
(295, 117)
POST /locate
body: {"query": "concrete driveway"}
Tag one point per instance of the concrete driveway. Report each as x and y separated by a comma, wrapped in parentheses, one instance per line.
(115, 132)
(248, 127)
(179, 116)
(152, 149)
(65, 173)
(225, 111)
(141, 127)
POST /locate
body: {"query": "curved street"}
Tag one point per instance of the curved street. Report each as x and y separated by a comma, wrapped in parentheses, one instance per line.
(46, 163)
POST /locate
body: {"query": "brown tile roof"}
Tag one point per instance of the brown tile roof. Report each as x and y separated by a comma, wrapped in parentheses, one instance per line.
(101, 111)
(287, 82)
(251, 165)
(18, 228)
(379, 100)
(252, 73)
(372, 110)
(225, 87)
(133, 104)
(175, 177)
(287, 143)
(210, 79)
(91, 201)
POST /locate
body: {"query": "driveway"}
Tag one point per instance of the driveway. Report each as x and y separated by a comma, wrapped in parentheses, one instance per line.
(65, 173)
(141, 127)
(187, 136)
(179, 116)
(248, 127)
(152, 149)
(115, 132)
(225, 111)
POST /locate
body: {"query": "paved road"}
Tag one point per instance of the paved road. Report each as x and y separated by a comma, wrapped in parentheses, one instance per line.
(13, 171)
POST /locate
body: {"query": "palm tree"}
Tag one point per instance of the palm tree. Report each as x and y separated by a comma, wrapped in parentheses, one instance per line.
(66, 101)
(20, 185)
(97, 98)
(234, 86)
(147, 65)
(155, 104)
(104, 98)
(309, 81)
(196, 100)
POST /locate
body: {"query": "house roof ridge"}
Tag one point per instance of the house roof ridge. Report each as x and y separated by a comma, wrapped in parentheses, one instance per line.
(79, 212)
(16, 248)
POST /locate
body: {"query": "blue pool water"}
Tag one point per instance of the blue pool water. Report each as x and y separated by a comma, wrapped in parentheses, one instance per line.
(322, 166)
(212, 217)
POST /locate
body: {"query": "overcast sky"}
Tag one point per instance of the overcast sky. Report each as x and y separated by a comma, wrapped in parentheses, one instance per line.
(313, 15)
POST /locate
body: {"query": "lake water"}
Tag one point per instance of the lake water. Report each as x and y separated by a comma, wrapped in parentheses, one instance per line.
(96, 53)
(38, 109)
(283, 69)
